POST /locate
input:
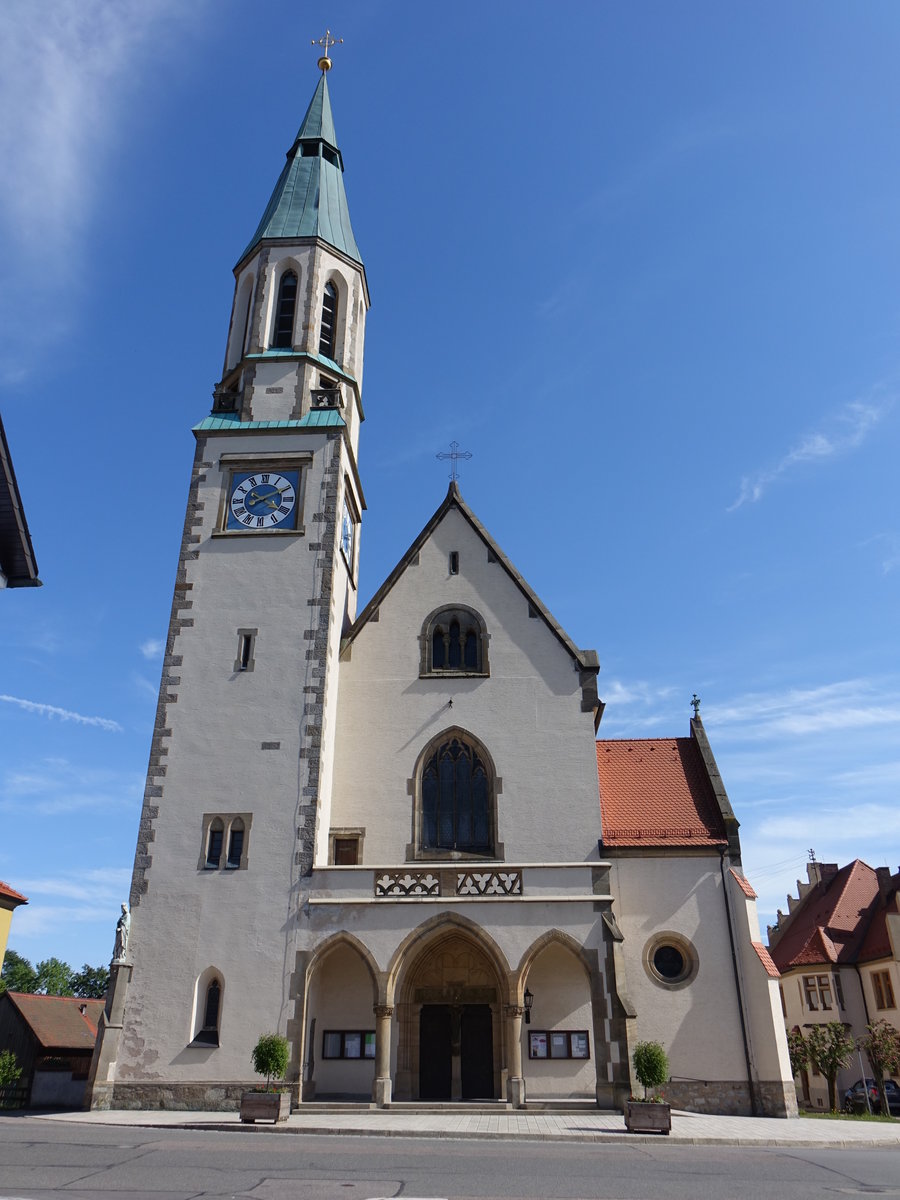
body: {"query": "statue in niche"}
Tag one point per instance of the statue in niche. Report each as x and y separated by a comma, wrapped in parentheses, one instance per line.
(123, 928)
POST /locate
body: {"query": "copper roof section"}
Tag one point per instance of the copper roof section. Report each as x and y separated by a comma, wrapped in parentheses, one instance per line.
(830, 922)
(657, 792)
(58, 1022)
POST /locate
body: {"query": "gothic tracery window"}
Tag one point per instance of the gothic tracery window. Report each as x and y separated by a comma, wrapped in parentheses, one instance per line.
(457, 800)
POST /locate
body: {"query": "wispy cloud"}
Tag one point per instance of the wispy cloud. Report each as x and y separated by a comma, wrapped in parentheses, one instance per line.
(846, 432)
(64, 714)
(89, 897)
(792, 712)
(67, 68)
(152, 647)
(56, 786)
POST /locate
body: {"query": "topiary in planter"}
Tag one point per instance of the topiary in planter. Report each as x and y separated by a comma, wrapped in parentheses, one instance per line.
(651, 1065)
(270, 1057)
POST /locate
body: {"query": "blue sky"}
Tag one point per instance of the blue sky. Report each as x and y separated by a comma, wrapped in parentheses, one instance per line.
(642, 260)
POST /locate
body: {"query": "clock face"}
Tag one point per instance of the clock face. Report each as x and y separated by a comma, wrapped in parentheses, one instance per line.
(262, 500)
(347, 531)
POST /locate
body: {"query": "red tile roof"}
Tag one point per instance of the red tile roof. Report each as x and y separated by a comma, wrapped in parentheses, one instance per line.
(744, 884)
(8, 893)
(766, 959)
(877, 942)
(831, 920)
(656, 792)
(58, 1022)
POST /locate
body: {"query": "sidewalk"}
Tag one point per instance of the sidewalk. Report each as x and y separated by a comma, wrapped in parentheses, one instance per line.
(589, 1126)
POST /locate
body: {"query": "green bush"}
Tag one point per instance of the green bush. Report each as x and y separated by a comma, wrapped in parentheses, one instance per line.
(10, 1071)
(651, 1065)
(270, 1056)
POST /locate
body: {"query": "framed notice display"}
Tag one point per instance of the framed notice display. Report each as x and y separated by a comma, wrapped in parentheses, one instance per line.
(537, 1045)
(559, 1043)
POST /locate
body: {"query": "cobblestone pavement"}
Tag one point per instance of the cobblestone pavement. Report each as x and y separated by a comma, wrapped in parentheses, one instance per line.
(590, 1126)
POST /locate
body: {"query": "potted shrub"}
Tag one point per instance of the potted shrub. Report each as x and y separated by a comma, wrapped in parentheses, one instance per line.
(651, 1113)
(270, 1058)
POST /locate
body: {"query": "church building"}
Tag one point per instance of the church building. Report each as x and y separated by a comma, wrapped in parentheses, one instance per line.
(388, 831)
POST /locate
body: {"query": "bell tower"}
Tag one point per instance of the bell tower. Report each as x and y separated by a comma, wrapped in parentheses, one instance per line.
(237, 798)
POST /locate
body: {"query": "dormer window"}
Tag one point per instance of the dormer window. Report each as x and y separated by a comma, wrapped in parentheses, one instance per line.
(329, 321)
(454, 642)
(283, 332)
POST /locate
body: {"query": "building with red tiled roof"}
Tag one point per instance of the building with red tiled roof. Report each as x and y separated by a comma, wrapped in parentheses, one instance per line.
(838, 950)
(10, 900)
(53, 1039)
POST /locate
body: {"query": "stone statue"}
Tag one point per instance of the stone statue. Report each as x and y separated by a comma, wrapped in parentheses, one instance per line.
(123, 928)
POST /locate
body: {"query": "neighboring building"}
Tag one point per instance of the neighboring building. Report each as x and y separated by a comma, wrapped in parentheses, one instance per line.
(53, 1040)
(838, 951)
(18, 567)
(9, 902)
(386, 832)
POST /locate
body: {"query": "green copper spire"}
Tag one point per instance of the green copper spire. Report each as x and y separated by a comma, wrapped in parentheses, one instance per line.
(309, 199)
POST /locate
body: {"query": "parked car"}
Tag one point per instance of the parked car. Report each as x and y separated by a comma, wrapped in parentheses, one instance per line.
(855, 1097)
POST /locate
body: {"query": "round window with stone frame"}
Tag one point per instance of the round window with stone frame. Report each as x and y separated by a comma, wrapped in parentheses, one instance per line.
(670, 960)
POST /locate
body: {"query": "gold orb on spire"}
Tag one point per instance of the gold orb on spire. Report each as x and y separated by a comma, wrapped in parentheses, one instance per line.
(326, 42)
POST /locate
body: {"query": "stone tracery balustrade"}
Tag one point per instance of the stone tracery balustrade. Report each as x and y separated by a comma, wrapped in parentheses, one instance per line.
(408, 883)
(489, 883)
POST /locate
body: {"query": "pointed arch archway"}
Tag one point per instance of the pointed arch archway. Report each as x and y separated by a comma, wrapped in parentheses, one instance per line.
(448, 984)
(341, 989)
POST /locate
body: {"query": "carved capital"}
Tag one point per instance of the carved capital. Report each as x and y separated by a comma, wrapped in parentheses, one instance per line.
(514, 1010)
(383, 1011)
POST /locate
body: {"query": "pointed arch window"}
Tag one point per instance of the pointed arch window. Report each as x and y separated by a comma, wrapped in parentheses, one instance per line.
(328, 326)
(454, 641)
(283, 331)
(214, 841)
(209, 1007)
(457, 811)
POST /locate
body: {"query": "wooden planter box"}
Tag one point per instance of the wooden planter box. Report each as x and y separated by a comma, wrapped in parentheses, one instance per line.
(265, 1106)
(647, 1116)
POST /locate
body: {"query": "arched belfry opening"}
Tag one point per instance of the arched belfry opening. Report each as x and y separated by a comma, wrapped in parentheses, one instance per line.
(450, 1030)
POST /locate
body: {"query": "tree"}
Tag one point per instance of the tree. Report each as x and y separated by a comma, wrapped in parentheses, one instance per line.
(830, 1047)
(18, 974)
(650, 1065)
(54, 978)
(91, 982)
(798, 1050)
(881, 1046)
(270, 1056)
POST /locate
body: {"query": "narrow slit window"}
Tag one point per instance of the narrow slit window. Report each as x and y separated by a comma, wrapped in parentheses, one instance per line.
(329, 321)
(214, 845)
(454, 562)
(244, 643)
(235, 845)
(283, 333)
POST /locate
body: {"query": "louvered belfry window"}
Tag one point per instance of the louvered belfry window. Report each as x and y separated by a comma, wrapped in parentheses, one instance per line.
(329, 321)
(283, 333)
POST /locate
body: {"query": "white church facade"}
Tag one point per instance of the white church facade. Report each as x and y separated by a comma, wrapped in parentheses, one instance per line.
(391, 834)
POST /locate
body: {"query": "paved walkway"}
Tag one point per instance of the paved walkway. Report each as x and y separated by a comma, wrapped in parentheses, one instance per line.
(588, 1126)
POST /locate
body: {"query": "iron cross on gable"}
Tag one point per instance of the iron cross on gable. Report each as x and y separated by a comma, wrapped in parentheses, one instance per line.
(455, 455)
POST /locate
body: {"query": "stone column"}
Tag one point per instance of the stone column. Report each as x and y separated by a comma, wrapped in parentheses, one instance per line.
(381, 1088)
(515, 1082)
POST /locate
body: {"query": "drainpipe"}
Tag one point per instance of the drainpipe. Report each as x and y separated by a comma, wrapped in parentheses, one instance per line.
(754, 1106)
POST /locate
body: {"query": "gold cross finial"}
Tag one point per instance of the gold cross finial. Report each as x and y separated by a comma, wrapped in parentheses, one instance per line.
(326, 43)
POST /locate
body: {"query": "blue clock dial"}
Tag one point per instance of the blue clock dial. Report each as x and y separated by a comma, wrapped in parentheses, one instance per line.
(262, 500)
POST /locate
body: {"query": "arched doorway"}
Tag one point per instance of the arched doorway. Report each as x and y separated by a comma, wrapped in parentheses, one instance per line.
(449, 1022)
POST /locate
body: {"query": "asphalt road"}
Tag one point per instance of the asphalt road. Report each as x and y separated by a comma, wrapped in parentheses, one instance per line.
(42, 1159)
